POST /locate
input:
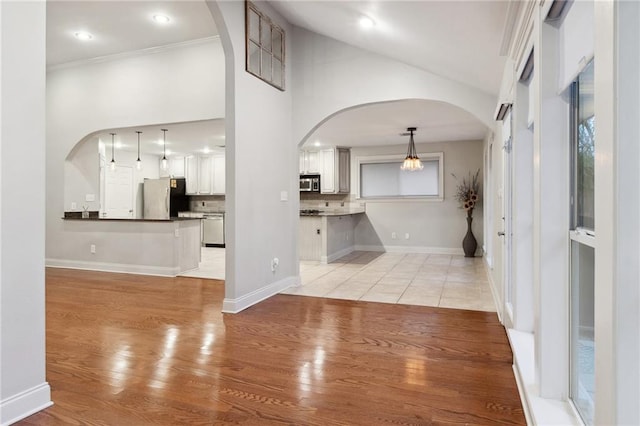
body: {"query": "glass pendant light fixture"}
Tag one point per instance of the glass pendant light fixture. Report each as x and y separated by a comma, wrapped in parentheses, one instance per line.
(164, 149)
(411, 162)
(138, 161)
(112, 165)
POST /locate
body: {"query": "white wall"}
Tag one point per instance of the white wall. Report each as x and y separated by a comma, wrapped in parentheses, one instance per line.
(183, 83)
(433, 226)
(330, 76)
(262, 161)
(23, 389)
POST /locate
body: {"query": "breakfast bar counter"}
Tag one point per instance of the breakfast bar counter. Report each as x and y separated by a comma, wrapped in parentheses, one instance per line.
(141, 246)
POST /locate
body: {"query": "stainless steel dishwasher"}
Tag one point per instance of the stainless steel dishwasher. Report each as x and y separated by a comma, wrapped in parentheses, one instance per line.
(213, 229)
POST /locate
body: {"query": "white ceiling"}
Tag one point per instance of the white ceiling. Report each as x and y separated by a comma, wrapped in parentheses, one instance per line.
(382, 124)
(121, 26)
(458, 39)
(195, 137)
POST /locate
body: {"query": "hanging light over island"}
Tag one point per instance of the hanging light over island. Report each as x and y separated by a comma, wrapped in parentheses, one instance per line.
(112, 165)
(164, 163)
(138, 161)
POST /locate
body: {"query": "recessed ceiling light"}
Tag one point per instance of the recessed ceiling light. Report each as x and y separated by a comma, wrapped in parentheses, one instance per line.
(366, 22)
(317, 143)
(82, 35)
(206, 150)
(161, 19)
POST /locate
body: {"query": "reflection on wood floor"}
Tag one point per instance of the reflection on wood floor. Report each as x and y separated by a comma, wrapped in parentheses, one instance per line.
(139, 350)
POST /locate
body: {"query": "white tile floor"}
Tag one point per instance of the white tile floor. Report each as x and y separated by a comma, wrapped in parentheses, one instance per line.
(211, 264)
(412, 279)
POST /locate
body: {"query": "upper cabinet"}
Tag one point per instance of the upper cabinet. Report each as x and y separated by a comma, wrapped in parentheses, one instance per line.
(335, 172)
(309, 162)
(332, 164)
(219, 174)
(344, 170)
(205, 174)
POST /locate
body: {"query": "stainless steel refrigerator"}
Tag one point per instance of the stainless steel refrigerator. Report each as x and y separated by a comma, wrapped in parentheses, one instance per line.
(164, 198)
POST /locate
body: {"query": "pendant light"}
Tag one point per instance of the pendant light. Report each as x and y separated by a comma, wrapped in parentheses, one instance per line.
(112, 165)
(138, 161)
(411, 162)
(164, 149)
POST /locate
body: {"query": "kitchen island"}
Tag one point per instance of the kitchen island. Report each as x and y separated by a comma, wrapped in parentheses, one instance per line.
(142, 246)
(328, 234)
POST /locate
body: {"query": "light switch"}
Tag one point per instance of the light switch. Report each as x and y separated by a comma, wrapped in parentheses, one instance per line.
(90, 197)
(74, 206)
(284, 196)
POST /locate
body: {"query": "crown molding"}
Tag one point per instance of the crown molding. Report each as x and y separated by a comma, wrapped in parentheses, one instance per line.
(133, 53)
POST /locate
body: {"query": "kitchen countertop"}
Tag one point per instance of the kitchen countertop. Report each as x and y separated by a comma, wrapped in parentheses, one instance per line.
(97, 219)
(338, 212)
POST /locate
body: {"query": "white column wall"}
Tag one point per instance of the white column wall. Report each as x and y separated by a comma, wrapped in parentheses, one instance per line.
(23, 386)
(617, 295)
(262, 162)
(626, 190)
(550, 217)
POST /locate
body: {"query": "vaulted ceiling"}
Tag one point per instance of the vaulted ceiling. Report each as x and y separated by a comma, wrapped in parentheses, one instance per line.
(457, 39)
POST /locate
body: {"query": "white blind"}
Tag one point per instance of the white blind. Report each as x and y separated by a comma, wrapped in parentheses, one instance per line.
(387, 180)
(576, 40)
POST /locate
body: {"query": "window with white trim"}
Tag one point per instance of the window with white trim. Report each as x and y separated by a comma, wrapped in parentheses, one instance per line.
(380, 177)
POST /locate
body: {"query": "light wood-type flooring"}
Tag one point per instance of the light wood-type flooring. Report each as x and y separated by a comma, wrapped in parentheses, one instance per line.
(140, 350)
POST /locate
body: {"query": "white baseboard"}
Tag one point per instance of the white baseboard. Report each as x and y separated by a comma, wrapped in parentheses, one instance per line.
(337, 255)
(233, 306)
(494, 293)
(24, 404)
(411, 249)
(163, 271)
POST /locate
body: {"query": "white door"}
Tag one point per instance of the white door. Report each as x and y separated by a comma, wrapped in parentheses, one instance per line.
(118, 197)
(507, 216)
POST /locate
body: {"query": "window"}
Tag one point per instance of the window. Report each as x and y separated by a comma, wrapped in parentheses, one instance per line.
(583, 240)
(265, 47)
(381, 177)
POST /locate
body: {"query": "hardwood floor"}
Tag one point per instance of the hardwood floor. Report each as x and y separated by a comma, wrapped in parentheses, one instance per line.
(138, 350)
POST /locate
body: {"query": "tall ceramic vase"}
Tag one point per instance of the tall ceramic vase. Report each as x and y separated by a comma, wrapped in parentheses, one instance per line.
(469, 243)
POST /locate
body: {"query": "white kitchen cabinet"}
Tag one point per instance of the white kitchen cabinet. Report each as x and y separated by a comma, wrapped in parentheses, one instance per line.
(327, 171)
(309, 162)
(191, 174)
(335, 173)
(219, 174)
(199, 175)
(205, 175)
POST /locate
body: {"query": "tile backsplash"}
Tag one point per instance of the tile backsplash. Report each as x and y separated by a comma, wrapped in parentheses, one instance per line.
(207, 204)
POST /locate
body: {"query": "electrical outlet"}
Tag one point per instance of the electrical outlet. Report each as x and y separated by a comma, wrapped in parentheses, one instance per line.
(93, 249)
(176, 233)
(274, 264)
(393, 236)
(406, 236)
(74, 206)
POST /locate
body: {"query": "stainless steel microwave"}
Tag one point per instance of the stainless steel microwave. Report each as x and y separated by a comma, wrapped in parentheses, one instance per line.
(309, 183)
